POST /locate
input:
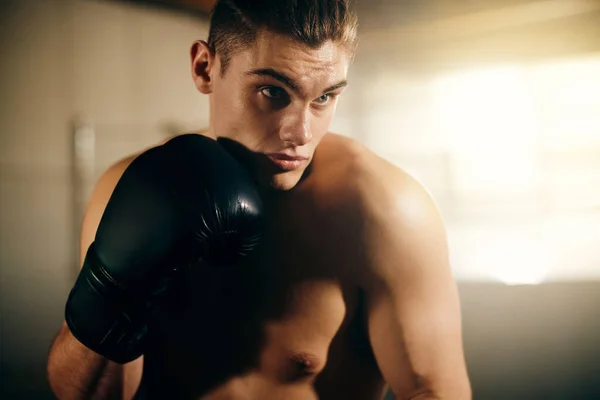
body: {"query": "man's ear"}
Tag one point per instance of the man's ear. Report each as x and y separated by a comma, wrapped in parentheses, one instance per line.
(203, 66)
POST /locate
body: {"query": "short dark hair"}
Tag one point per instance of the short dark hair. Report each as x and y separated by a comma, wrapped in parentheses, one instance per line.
(234, 24)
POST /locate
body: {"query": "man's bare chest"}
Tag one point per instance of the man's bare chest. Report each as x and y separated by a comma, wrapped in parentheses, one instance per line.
(276, 319)
(291, 315)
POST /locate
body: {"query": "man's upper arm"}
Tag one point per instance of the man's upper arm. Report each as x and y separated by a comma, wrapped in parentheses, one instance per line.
(414, 321)
(97, 203)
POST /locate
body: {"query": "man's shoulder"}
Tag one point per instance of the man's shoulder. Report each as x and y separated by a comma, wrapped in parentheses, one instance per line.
(373, 189)
(365, 175)
(381, 203)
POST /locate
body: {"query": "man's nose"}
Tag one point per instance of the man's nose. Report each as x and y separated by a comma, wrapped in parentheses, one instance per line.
(296, 128)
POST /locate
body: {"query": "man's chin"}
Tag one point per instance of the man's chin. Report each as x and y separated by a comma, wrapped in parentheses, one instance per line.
(282, 182)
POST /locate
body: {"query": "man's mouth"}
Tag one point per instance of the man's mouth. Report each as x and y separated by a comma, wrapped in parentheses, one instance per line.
(287, 162)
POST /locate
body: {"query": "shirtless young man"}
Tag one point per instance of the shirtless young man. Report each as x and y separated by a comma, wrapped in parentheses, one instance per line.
(348, 288)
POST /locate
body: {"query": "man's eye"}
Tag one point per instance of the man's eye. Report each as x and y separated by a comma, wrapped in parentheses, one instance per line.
(324, 99)
(273, 92)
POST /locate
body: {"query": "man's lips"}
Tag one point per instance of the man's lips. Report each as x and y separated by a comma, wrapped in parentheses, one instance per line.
(285, 156)
(287, 162)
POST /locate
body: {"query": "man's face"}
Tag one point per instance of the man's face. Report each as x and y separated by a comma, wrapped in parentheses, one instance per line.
(277, 98)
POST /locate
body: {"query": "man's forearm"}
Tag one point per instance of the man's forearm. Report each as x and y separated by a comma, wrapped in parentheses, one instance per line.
(76, 372)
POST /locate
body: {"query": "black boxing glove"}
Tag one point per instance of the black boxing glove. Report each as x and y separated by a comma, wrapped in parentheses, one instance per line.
(186, 200)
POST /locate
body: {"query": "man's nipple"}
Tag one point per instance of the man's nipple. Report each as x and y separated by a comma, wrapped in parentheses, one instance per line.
(304, 364)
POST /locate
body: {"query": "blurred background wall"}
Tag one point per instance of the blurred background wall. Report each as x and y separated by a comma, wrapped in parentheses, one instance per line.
(67, 68)
(494, 105)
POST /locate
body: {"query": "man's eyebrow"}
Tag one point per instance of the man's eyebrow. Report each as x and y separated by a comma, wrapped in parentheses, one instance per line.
(338, 85)
(289, 82)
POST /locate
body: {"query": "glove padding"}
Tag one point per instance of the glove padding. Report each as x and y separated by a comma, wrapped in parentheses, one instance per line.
(186, 201)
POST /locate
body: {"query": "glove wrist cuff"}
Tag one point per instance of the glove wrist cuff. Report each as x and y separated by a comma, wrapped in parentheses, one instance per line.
(102, 317)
